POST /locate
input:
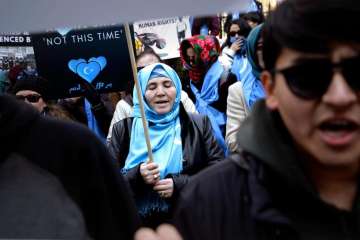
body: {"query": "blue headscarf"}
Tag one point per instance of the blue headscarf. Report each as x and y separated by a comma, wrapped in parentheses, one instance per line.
(165, 137)
(210, 93)
(92, 122)
(252, 87)
(240, 67)
(164, 130)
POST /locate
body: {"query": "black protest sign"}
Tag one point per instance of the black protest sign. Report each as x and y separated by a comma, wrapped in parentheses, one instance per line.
(99, 56)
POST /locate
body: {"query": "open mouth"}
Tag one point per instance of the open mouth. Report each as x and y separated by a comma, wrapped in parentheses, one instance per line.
(338, 125)
(163, 102)
(338, 132)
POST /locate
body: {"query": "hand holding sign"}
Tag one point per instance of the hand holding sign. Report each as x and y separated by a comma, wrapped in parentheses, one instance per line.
(88, 71)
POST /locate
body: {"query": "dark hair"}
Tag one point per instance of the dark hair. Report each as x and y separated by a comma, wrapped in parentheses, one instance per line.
(243, 25)
(254, 16)
(244, 30)
(148, 51)
(309, 26)
(185, 44)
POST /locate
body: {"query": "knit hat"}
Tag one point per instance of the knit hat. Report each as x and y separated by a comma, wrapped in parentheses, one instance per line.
(30, 82)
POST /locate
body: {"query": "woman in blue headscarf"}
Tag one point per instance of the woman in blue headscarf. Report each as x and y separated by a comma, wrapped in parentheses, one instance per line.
(182, 144)
(244, 93)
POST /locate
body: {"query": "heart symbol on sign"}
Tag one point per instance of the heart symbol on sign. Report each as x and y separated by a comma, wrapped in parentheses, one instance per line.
(87, 70)
(99, 60)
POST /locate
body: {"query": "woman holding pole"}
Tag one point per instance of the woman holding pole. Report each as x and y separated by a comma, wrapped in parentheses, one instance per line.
(182, 144)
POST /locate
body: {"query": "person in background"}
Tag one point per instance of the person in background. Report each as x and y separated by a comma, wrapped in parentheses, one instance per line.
(90, 109)
(4, 81)
(244, 93)
(32, 90)
(253, 18)
(14, 71)
(208, 81)
(233, 56)
(182, 144)
(205, 25)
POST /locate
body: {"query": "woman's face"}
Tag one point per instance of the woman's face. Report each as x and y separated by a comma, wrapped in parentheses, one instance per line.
(190, 54)
(160, 94)
(234, 30)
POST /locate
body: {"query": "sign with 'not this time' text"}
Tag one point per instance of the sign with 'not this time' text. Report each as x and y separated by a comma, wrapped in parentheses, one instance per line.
(99, 56)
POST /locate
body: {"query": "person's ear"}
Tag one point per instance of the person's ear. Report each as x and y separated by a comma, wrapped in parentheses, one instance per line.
(269, 84)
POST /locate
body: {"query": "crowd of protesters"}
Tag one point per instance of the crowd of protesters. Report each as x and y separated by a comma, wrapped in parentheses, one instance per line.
(258, 139)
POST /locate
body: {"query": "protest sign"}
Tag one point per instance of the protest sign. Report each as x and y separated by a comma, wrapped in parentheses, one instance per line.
(97, 55)
(162, 35)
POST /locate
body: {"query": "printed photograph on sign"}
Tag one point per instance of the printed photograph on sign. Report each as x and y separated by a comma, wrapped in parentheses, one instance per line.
(16, 55)
(162, 35)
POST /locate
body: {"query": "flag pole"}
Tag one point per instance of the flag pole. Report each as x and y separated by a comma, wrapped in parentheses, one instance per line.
(138, 91)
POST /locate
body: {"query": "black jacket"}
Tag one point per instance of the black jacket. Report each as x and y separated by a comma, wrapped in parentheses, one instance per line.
(263, 193)
(200, 148)
(74, 157)
(101, 111)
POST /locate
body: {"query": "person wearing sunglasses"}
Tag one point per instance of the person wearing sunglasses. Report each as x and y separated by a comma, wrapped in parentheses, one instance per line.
(31, 89)
(245, 92)
(233, 56)
(298, 170)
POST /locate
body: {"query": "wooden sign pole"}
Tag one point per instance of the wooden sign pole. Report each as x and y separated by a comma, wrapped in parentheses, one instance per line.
(138, 91)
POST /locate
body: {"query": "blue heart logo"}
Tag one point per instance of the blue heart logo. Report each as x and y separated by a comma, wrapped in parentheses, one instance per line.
(73, 64)
(87, 70)
(99, 60)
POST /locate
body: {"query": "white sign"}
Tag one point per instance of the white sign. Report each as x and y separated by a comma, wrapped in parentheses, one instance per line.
(162, 35)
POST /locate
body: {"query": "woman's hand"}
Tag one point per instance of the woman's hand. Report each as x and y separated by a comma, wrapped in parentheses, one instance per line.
(163, 232)
(236, 46)
(149, 172)
(165, 187)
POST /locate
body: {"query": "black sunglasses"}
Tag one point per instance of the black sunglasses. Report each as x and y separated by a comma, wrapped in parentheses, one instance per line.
(233, 33)
(139, 68)
(310, 79)
(33, 98)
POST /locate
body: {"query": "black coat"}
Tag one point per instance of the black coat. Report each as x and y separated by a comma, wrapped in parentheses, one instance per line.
(262, 193)
(200, 148)
(74, 157)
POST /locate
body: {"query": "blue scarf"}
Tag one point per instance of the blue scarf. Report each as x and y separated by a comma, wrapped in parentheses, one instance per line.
(164, 131)
(209, 94)
(165, 136)
(92, 123)
(252, 87)
(240, 67)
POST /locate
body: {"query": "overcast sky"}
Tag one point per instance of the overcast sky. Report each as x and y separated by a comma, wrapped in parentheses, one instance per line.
(39, 15)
